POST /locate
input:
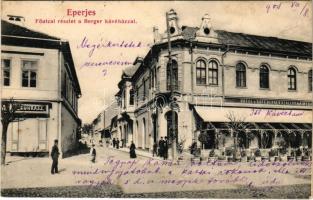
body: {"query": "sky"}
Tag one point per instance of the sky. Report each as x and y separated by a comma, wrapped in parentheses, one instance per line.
(290, 20)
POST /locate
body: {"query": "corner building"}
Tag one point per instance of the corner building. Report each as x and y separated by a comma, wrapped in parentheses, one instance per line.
(219, 78)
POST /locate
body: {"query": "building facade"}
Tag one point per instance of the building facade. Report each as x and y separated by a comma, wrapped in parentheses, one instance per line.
(38, 72)
(233, 90)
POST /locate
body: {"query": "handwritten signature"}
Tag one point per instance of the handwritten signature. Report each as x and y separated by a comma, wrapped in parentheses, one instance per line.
(302, 8)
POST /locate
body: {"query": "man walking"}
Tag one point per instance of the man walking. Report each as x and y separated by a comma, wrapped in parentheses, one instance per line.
(117, 143)
(165, 149)
(161, 147)
(55, 156)
(155, 148)
(114, 142)
(93, 153)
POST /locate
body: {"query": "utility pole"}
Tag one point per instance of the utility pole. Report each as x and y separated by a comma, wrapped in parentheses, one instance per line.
(172, 135)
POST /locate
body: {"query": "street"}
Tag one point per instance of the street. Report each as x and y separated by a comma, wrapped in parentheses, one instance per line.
(147, 177)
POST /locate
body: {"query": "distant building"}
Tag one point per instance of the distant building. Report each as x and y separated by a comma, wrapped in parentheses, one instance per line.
(266, 82)
(102, 124)
(38, 71)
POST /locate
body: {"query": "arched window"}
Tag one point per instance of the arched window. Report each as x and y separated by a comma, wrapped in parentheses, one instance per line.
(310, 80)
(292, 79)
(175, 75)
(240, 75)
(264, 77)
(131, 96)
(213, 72)
(200, 72)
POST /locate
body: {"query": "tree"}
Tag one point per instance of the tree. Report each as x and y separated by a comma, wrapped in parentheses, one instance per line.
(8, 115)
(236, 124)
(87, 128)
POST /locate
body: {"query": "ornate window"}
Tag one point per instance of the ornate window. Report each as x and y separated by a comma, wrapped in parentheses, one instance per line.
(240, 75)
(310, 80)
(200, 72)
(264, 77)
(292, 79)
(175, 75)
(213, 72)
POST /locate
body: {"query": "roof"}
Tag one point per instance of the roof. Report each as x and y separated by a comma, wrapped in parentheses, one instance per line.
(264, 43)
(15, 35)
(8, 28)
(130, 71)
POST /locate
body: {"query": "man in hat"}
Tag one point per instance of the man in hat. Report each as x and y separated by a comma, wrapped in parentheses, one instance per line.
(161, 147)
(55, 156)
(93, 153)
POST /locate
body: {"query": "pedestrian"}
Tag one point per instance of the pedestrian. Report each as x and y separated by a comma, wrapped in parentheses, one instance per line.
(55, 156)
(117, 143)
(93, 153)
(155, 148)
(132, 151)
(161, 147)
(114, 142)
(165, 149)
(107, 142)
(122, 141)
(193, 148)
(100, 143)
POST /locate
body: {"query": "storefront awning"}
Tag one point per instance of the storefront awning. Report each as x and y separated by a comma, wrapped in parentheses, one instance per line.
(252, 115)
(222, 126)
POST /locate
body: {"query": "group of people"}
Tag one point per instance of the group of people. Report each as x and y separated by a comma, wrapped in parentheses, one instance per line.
(116, 143)
(161, 148)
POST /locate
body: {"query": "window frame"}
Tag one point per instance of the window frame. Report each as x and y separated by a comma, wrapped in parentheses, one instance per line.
(290, 77)
(264, 75)
(168, 76)
(10, 71)
(241, 75)
(310, 82)
(212, 71)
(202, 69)
(29, 71)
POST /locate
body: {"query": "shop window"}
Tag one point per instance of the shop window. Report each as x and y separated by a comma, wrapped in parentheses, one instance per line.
(6, 67)
(264, 77)
(29, 73)
(240, 75)
(213, 72)
(292, 79)
(200, 72)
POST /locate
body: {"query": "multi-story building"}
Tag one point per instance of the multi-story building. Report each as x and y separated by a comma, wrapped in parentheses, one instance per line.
(220, 79)
(38, 72)
(102, 123)
(124, 122)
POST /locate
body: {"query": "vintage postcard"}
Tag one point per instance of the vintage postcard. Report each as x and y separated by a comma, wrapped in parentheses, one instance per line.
(147, 99)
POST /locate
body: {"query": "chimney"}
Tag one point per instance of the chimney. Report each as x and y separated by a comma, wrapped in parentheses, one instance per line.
(18, 20)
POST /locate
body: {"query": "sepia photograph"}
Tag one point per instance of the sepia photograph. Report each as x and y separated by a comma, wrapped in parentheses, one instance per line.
(156, 99)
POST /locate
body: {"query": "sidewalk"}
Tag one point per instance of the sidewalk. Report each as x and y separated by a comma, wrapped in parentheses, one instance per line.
(139, 152)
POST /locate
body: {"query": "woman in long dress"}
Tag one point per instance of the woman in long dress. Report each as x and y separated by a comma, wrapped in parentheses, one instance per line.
(132, 151)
